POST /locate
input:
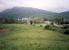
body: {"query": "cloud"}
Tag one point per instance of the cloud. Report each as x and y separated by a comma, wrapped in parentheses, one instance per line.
(50, 5)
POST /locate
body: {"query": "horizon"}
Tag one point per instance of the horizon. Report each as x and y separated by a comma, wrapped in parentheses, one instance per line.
(57, 6)
(33, 8)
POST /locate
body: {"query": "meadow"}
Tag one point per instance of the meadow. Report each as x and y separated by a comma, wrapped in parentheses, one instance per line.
(31, 37)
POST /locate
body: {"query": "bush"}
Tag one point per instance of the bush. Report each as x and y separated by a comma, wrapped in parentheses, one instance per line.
(50, 27)
(40, 25)
(65, 27)
(53, 28)
(66, 31)
(47, 27)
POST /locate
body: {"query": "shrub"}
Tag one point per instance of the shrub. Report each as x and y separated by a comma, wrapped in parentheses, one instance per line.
(53, 28)
(40, 25)
(47, 27)
(65, 27)
(66, 31)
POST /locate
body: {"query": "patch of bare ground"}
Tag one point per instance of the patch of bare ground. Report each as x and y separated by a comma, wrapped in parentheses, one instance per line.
(5, 30)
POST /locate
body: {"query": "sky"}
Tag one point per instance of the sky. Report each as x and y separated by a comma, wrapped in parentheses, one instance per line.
(49, 5)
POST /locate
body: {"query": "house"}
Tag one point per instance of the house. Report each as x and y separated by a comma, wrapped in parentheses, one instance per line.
(47, 22)
(25, 20)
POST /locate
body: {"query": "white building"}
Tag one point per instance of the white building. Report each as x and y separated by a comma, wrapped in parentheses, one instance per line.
(48, 22)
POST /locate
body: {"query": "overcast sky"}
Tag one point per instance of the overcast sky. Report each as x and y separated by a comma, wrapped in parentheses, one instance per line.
(50, 5)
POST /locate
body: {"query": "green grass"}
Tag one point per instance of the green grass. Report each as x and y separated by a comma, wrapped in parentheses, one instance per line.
(32, 37)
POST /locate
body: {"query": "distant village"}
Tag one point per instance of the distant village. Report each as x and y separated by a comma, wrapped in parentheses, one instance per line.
(34, 20)
(42, 21)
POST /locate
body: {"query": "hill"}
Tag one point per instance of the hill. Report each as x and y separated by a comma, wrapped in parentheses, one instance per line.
(19, 12)
(64, 14)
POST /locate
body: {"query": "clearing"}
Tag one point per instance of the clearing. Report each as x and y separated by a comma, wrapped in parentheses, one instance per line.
(32, 37)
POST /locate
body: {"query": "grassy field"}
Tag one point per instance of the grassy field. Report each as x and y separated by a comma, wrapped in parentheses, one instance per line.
(31, 37)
